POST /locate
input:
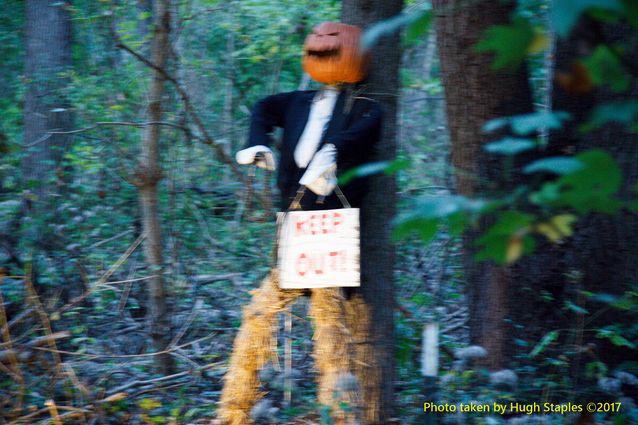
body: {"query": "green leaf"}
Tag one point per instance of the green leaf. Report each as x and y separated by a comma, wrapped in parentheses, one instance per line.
(624, 112)
(510, 146)
(615, 338)
(565, 13)
(506, 240)
(528, 123)
(575, 308)
(418, 27)
(510, 43)
(556, 164)
(631, 11)
(544, 342)
(548, 193)
(605, 68)
(592, 187)
(425, 216)
(371, 168)
(388, 27)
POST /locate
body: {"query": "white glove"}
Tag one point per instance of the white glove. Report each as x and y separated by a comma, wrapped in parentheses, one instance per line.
(249, 156)
(320, 176)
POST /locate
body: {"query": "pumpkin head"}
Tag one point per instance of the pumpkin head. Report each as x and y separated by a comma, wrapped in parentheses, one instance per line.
(332, 54)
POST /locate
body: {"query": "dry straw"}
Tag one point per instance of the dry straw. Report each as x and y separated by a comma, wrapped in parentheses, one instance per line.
(255, 343)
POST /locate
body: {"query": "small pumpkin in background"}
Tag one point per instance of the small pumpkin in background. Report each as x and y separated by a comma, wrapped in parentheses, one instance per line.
(332, 54)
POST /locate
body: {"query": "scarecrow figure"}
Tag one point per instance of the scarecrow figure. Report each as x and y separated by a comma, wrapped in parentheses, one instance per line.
(325, 132)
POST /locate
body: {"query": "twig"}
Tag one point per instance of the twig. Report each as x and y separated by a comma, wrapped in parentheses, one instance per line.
(130, 356)
(112, 238)
(207, 138)
(34, 300)
(191, 317)
(123, 123)
(161, 378)
(104, 277)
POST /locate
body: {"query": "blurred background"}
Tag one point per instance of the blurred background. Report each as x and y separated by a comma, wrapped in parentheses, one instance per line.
(129, 239)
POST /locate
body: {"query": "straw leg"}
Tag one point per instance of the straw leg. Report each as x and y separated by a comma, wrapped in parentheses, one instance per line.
(338, 389)
(253, 347)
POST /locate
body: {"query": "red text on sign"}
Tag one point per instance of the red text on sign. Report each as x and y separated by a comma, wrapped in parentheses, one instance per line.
(318, 263)
(321, 223)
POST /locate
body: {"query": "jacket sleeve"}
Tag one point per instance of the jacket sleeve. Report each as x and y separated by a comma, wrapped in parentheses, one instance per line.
(361, 135)
(267, 114)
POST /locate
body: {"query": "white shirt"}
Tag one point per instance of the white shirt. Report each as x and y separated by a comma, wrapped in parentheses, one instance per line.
(318, 118)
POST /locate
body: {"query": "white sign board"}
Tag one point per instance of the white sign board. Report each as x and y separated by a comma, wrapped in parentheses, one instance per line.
(319, 249)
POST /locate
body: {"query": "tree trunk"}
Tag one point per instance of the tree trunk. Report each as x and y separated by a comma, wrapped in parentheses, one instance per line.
(149, 176)
(370, 308)
(48, 54)
(475, 94)
(602, 256)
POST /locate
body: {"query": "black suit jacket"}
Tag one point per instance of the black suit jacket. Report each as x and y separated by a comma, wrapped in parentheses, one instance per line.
(354, 129)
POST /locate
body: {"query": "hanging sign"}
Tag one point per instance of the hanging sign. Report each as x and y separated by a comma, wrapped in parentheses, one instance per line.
(319, 249)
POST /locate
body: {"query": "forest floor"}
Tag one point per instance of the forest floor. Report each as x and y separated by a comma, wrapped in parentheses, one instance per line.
(90, 360)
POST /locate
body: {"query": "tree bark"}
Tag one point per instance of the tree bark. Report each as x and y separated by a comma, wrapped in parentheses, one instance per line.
(48, 55)
(370, 309)
(602, 255)
(475, 94)
(149, 176)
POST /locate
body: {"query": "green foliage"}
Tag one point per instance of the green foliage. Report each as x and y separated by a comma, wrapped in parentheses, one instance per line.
(605, 68)
(371, 168)
(566, 12)
(589, 187)
(417, 23)
(549, 338)
(508, 238)
(428, 213)
(622, 111)
(510, 43)
(510, 146)
(526, 124)
(557, 165)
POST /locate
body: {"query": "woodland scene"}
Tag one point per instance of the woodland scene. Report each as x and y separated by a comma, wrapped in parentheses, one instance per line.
(355, 212)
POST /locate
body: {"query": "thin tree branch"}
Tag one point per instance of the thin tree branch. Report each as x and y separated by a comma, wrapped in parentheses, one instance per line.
(207, 138)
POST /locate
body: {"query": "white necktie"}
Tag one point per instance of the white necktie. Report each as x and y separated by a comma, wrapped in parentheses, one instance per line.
(319, 116)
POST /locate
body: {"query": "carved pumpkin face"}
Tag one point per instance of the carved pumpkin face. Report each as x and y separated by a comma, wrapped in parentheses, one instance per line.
(332, 54)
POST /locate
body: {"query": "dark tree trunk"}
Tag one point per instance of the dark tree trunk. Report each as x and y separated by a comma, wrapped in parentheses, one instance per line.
(602, 256)
(48, 55)
(475, 94)
(149, 177)
(370, 310)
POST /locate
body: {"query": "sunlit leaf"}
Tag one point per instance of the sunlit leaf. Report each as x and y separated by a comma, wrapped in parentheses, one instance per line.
(539, 43)
(390, 26)
(547, 194)
(507, 239)
(544, 343)
(371, 168)
(429, 212)
(624, 111)
(149, 404)
(528, 123)
(575, 308)
(510, 146)
(557, 228)
(555, 164)
(514, 249)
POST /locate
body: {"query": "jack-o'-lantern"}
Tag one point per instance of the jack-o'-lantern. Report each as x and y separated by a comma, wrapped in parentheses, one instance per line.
(332, 54)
